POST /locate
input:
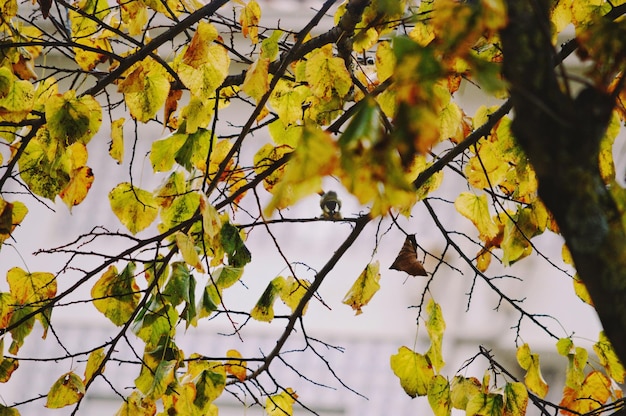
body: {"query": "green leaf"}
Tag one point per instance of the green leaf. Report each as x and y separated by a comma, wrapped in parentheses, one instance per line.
(67, 390)
(238, 253)
(158, 322)
(413, 370)
(116, 295)
(134, 207)
(364, 288)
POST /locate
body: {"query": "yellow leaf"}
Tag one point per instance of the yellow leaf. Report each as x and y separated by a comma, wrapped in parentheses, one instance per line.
(93, 364)
(134, 207)
(80, 183)
(145, 90)
(7, 306)
(249, 19)
(135, 15)
(17, 97)
(325, 73)
(281, 404)
(439, 396)
(475, 208)
(533, 379)
(364, 288)
(31, 287)
(608, 359)
(203, 65)
(594, 392)
(413, 370)
(211, 222)
(462, 391)
(197, 114)
(265, 158)
(577, 360)
(292, 292)
(287, 100)
(435, 325)
(485, 404)
(264, 309)
(71, 119)
(7, 365)
(256, 82)
(67, 390)
(137, 405)
(196, 54)
(11, 215)
(116, 149)
(236, 365)
(187, 248)
(581, 290)
(515, 399)
(116, 295)
(385, 61)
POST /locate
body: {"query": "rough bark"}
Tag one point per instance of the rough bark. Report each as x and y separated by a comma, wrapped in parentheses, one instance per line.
(561, 135)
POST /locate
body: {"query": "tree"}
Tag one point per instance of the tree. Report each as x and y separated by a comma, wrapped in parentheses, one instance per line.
(370, 102)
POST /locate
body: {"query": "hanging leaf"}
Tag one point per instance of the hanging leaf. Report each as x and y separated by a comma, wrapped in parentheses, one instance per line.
(533, 379)
(364, 288)
(187, 248)
(249, 19)
(93, 364)
(435, 325)
(264, 309)
(407, 261)
(67, 390)
(608, 358)
(116, 148)
(134, 207)
(413, 370)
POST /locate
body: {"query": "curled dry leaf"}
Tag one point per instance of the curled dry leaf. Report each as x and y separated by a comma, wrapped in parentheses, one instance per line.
(407, 261)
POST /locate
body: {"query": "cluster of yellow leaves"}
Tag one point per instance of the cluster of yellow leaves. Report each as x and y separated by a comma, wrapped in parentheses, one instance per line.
(585, 392)
(419, 376)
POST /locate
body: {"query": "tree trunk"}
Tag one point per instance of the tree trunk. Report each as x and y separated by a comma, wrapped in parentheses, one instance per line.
(561, 137)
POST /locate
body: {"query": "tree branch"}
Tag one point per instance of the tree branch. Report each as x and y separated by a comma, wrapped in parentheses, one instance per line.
(563, 144)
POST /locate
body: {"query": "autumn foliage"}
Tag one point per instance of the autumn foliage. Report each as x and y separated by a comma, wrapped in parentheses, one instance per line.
(371, 102)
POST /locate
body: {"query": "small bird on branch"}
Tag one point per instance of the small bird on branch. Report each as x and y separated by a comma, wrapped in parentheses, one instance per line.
(331, 205)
